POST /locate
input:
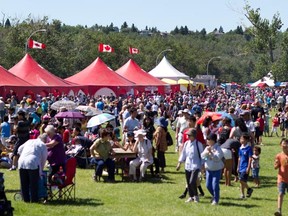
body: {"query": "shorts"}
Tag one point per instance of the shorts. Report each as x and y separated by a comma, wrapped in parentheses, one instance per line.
(227, 153)
(255, 173)
(266, 128)
(282, 186)
(243, 176)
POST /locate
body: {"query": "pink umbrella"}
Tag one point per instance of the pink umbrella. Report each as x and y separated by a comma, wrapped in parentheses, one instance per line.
(69, 114)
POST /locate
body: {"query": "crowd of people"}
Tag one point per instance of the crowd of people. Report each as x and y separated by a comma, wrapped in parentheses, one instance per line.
(216, 131)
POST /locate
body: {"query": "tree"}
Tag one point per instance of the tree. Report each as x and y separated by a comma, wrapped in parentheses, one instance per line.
(221, 30)
(280, 67)
(124, 26)
(264, 33)
(133, 28)
(239, 30)
(203, 32)
(7, 23)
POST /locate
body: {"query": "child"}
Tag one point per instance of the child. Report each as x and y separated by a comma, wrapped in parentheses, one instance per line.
(255, 165)
(275, 125)
(281, 163)
(266, 124)
(244, 164)
(261, 122)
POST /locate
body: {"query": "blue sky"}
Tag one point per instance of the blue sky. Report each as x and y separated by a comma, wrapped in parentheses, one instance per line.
(163, 14)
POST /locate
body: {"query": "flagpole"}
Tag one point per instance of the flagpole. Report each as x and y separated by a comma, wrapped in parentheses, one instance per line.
(26, 44)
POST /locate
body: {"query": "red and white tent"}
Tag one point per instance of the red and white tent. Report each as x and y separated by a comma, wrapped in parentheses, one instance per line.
(41, 80)
(98, 76)
(143, 80)
(28, 69)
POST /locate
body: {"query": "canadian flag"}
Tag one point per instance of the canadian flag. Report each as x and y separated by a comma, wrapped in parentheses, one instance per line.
(105, 48)
(35, 45)
(133, 50)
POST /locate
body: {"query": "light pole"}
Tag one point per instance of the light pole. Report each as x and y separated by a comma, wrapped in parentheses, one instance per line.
(216, 57)
(166, 50)
(40, 30)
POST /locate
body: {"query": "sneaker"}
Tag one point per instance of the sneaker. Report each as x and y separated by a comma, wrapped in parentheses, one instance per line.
(242, 197)
(196, 199)
(182, 196)
(190, 199)
(214, 203)
(277, 213)
(12, 168)
(249, 192)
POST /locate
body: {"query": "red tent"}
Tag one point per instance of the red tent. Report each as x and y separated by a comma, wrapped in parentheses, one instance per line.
(9, 79)
(143, 80)
(98, 75)
(28, 69)
(133, 72)
(262, 85)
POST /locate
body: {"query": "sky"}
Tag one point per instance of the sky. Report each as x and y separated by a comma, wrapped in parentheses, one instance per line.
(163, 14)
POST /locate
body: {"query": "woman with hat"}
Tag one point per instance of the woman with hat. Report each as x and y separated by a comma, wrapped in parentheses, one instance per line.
(161, 142)
(143, 148)
(191, 156)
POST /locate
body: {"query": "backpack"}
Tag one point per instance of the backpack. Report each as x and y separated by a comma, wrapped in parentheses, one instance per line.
(169, 139)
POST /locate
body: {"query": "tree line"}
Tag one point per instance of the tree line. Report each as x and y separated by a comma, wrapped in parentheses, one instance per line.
(244, 55)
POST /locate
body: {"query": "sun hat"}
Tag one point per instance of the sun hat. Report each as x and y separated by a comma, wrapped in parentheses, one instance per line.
(186, 111)
(180, 112)
(140, 132)
(162, 122)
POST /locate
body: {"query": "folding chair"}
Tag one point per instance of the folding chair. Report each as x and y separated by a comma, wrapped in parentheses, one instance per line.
(65, 191)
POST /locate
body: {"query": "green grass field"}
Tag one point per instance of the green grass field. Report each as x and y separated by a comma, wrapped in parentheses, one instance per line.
(157, 197)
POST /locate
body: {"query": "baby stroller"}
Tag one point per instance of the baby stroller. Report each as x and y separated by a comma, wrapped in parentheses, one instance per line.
(81, 152)
(42, 189)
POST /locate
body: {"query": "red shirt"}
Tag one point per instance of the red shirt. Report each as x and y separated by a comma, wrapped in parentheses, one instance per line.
(66, 136)
(261, 123)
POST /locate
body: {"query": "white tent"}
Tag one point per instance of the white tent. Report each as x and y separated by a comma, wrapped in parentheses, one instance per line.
(268, 79)
(165, 70)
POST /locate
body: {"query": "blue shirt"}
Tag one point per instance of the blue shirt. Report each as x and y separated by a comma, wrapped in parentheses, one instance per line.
(100, 105)
(5, 129)
(245, 152)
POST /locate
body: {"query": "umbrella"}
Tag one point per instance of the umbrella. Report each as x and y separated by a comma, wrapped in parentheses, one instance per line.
(225, 114)
(214, 115)
(99, 119)
(68, 104)
(69, 114)
(90, 111)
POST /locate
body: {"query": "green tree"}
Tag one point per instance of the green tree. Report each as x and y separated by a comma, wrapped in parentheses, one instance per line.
(264, 32)
(7, 23)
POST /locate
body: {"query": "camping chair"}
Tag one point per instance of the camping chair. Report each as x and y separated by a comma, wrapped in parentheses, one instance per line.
(66, 190)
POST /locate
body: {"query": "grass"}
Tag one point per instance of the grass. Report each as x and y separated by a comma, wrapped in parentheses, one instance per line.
(157, 197)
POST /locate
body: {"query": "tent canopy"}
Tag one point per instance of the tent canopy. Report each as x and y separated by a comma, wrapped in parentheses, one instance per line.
(28, 69)
(165, 70)
(99, 74)
(180, 81)
(134, 73)
(9, 79)
(268, 79)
